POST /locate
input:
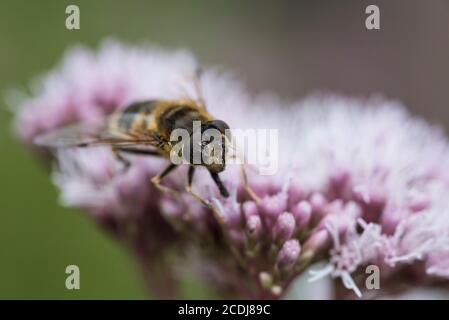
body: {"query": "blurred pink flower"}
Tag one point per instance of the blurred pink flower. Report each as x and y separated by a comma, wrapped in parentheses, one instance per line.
(359, 182)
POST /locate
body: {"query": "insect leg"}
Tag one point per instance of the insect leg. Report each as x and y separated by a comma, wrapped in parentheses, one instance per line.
(246, 185)
(190, 175)
(198, 87)
(117, 151)
(119, 157)
(219, 184)
(156, 180)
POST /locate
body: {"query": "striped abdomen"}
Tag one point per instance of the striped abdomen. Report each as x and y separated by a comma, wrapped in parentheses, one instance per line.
(137, 117)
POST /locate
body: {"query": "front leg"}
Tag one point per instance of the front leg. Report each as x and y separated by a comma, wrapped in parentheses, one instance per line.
(190, 175)
(223, 191)
(156, 180)
(244, 177)
(246, 185)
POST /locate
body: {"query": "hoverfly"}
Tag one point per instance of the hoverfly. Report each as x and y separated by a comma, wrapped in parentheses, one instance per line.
(144, 128)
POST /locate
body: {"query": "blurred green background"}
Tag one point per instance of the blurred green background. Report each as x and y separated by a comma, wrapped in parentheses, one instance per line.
(289, 47)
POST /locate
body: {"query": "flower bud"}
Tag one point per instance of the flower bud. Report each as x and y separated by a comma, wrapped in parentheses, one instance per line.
(254, 227)
(318, 201)
(295, 193)
(302, 212)
(249, 209)
(272, 206)
(289, 254)
(276, 290)
(266, 280)
(317, 240)
(284, 227)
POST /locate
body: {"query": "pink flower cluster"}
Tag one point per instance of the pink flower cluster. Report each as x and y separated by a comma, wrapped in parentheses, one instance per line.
(359, 182)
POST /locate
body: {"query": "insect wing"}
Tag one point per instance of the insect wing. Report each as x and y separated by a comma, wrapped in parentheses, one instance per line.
(80, 135)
